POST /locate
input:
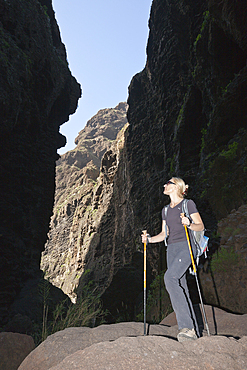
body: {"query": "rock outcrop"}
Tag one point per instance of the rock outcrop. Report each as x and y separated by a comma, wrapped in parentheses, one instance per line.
(81, 175)
(187, 117)
(121, 346)
(37, 95)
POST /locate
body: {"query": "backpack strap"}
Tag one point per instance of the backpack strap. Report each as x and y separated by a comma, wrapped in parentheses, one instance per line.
(185, 209)
(166, 209)
(191, 233)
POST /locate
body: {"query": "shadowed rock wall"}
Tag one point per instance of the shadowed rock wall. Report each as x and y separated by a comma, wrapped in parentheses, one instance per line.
(37, 95)
(187, 117)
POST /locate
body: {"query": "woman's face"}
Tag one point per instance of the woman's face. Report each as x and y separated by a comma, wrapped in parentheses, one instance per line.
(169, 187)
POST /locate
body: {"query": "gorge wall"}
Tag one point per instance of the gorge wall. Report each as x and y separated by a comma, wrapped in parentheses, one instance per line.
(37, 95)
(187, 117)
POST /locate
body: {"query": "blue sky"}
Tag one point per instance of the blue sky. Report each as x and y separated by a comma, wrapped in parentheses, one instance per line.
(106, 46)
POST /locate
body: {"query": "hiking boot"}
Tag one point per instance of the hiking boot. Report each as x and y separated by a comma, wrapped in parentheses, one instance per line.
(186, 334)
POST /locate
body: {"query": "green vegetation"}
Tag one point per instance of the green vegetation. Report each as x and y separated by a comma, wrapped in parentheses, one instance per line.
(195, 71)
(172, 162)
(224, 89)
(44, 7)
(203, 143)
(231, 153)
(223, 259)
(206, 17)
(181, 112)
(84, 312)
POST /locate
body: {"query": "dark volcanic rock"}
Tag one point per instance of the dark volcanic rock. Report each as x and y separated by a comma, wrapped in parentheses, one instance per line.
(187, 117)
(188, 104)
(37, 95)
(230, 260)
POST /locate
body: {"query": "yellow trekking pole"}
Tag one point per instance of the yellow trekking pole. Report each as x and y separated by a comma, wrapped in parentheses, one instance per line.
(145, 280)
(195, 273)
(191, 254)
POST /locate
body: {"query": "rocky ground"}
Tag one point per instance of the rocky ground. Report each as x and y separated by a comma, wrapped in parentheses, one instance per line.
(123, 346)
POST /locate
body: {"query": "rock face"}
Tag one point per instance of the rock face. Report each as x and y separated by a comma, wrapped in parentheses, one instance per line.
(77, 208)
(187, 117)
(229, 260)
(37, 95)
(121, 346)
(190, 100)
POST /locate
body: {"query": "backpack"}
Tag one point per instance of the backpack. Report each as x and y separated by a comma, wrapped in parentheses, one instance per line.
(199, 239)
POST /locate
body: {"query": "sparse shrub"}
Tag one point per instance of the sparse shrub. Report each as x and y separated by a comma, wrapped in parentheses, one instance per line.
(231, 153)
(66, 314)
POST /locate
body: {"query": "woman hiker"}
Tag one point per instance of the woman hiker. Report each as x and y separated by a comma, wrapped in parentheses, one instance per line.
(178, 255)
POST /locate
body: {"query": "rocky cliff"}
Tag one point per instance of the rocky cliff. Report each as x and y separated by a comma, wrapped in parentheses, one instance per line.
(81, 178)
(187, 117)
(37, 95)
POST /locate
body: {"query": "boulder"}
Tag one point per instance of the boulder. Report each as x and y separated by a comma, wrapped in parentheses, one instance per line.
(219, 321)
(153, 352)
(14, 347)
(66, 342)
(123, 345)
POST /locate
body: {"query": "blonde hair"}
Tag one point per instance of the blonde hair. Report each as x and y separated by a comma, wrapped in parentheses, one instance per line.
(182, 187)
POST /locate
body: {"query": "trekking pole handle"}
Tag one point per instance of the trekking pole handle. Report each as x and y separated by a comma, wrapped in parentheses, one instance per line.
(183, 215)
(145, 260)
(145, 280)
(190, 249)
(145, 257)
